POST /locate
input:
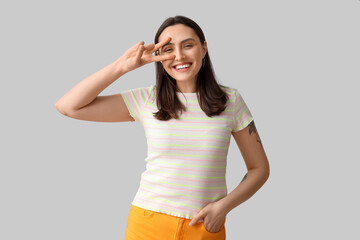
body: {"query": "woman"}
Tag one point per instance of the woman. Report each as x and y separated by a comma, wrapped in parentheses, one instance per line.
(188, 119)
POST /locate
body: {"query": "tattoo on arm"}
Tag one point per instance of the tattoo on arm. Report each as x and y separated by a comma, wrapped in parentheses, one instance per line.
(244, 177)
(252, 129)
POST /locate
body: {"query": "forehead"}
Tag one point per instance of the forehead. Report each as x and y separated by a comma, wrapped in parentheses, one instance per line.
(178, 32)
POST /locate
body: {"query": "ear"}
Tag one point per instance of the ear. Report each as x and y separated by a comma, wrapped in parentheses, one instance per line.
(205, 48)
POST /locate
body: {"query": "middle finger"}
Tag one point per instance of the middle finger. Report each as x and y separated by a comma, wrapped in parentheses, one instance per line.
(162, 43)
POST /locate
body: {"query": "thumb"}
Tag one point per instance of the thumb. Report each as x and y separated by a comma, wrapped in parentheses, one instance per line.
(139, 53)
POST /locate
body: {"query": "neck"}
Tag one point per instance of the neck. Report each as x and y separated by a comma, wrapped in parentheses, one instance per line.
(186, 87)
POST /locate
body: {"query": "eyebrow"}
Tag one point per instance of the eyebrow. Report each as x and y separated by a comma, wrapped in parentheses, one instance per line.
(169, 43)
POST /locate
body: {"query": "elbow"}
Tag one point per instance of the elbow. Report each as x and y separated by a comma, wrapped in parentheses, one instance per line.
(263, 175)
(60, 109)
(261, 172)
(266, 173)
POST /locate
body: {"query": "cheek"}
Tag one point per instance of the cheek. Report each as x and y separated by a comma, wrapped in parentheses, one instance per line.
(166, 64)
(197, 56)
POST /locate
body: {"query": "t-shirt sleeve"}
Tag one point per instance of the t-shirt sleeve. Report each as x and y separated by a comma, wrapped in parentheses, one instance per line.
(241, 113)
(134, 100)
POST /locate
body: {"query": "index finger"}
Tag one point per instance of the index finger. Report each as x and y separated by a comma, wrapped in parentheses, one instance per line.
(162, 58)
(162, 43)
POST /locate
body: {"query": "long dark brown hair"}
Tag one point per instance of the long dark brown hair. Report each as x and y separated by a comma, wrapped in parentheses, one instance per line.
(212, 99)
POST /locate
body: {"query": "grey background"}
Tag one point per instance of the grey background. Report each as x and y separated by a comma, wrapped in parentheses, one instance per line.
(296, 64)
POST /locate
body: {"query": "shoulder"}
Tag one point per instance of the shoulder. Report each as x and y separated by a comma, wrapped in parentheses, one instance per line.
(151, 89)
(232, 92)
(147, 89)
(228, 89)
(139, 93)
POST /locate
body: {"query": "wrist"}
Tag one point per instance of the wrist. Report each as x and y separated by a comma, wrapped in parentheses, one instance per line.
(119, 65)
(225, 204)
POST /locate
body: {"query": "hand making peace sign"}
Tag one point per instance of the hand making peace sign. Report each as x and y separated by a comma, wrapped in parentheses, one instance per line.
(139, 55)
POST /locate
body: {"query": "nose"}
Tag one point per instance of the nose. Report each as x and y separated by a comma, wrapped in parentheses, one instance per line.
(179, 55)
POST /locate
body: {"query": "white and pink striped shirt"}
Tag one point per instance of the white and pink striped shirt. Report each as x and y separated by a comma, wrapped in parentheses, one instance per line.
(186, 158)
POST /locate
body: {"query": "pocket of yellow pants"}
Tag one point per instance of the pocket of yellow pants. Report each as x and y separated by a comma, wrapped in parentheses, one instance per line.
(222, 227)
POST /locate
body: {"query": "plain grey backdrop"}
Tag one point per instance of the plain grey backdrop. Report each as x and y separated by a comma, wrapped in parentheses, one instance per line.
(296, 64)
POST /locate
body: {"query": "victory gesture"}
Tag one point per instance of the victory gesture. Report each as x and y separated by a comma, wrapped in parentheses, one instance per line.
(139, 55)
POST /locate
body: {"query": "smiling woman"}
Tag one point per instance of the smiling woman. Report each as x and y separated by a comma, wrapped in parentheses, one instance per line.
(190, 71)
(189, 119)
(189, 51)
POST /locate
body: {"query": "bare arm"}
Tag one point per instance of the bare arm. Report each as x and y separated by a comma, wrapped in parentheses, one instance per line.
(88, 89)
(251, 148)
(82, 101)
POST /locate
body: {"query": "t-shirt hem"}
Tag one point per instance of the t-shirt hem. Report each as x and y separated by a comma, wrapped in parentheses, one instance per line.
(162, 211)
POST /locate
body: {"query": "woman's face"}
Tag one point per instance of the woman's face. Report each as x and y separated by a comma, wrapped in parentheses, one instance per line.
(187, 48)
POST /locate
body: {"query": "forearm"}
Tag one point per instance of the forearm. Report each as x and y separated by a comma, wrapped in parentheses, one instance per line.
(251, 183)
(88, 89)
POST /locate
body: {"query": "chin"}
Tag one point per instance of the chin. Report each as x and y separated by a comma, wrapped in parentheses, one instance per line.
(182, 78)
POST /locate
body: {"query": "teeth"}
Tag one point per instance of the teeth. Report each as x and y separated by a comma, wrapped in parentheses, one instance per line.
(182, 66)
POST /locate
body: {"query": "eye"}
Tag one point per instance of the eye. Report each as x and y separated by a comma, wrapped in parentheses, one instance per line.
(167, 50)
(188, 45)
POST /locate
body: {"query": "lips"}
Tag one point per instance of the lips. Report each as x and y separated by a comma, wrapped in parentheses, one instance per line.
(183, 63)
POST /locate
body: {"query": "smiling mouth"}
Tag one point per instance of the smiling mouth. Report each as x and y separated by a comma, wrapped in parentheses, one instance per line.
(182, 66)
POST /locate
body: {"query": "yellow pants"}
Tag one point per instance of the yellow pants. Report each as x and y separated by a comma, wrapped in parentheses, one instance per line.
(145, 224)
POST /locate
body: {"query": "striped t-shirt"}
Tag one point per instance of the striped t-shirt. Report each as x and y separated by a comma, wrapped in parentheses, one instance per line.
(186, 157)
